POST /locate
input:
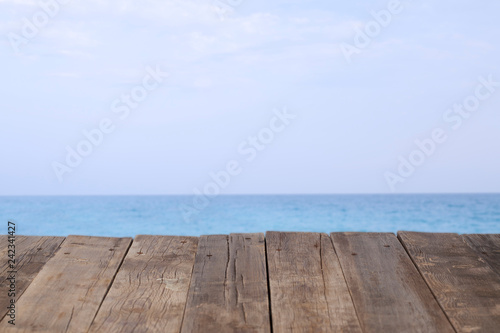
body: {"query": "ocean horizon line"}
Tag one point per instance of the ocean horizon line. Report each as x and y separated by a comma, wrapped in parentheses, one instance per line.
(245, 194)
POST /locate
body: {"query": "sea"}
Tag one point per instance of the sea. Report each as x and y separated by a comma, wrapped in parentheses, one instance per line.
(120, 216)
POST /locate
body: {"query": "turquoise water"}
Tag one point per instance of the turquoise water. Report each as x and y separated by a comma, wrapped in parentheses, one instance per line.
(132, 215)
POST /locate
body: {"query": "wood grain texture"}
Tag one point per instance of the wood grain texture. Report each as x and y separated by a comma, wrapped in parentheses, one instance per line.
(307, 287)
(465, 286)
(149, 292)
(67, 292)
(32, 252)
(388, 292)
(488, 248)
(228, 291)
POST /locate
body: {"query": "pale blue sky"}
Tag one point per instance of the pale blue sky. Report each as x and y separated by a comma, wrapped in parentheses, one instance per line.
(227, 73)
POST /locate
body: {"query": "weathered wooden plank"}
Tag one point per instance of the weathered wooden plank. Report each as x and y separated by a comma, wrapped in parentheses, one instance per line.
(465, 286)
(149, 292)
(68, 290)
(488, 248)
(308, 289)
(388, 292)
(343, 317)
(228, 291)
(31, 253)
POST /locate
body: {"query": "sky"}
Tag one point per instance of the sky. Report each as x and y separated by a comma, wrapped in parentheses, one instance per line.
(249, 97)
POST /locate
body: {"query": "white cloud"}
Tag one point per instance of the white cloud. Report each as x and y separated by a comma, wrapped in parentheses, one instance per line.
(202, 82)
(75, 53)
(258, 23)
(167, 12)
(66, 75)
(20, 2)
(69, 35)
(199, 41)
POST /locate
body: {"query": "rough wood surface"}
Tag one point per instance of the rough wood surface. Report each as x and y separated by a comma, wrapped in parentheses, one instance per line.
(228, 290)
(31, 253)
(308, 289)
(388, 292)
(149, 292)
(67, 292)
(466, 287)
(349, 282)
(488, 248)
